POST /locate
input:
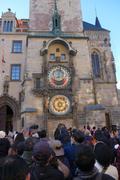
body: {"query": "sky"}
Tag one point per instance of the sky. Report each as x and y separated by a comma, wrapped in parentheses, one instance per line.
(108, 12)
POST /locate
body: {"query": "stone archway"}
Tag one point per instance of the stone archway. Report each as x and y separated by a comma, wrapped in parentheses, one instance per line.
(9, 113)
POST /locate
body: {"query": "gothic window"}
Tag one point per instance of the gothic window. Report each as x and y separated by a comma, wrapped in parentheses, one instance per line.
(17, 46)
(95, 64)
(15, 72)
(7, 26)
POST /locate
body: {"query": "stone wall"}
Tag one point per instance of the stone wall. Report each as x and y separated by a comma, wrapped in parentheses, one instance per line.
(41, 12)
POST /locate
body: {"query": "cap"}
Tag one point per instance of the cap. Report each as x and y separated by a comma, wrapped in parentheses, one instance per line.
(57, 147)
(41, 149)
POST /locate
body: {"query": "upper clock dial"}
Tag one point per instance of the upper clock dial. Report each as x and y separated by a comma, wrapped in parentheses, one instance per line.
(59, 77)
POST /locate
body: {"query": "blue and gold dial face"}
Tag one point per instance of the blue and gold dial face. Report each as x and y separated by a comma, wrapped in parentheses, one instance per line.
(59, 105)
(59, 77)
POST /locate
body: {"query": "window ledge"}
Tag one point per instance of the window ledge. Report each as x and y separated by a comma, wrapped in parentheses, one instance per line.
(16, 52)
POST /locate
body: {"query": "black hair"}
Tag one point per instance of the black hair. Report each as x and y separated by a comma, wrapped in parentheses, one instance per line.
(42, 133)
(103, 154)
(85, 158)
(14, 168)
(34, 126)
(19, 138)
(78, 136)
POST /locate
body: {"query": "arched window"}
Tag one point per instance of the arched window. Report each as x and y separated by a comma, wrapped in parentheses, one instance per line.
(95, 64)
(7, 26)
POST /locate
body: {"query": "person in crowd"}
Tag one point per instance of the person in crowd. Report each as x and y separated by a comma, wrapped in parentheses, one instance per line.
(77, 138)
(93, 130)
(85, 161)
(13, 151)
(62, 161)
(4, 144)
(19, 138)
(33, 129)
(57, 147)
(14, 168)
(61, 133)
(4, 147)
(114, 138)
(27, 152)
(117, 162)
(42, 168)
(114, 141)
(99, 137)
(103, 156)
(43, 135)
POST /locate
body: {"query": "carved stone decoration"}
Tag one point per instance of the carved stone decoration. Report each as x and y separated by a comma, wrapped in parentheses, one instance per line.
(6, 85)
(12, 103)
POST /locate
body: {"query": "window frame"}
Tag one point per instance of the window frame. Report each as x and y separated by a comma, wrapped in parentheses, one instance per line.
(19, 48)
(96, 66)
(52, 60)
(11, 77)
(8, 26)
(61, 59)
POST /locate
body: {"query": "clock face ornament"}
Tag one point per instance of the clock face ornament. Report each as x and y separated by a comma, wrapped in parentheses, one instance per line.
(59, 77)
(59, 105)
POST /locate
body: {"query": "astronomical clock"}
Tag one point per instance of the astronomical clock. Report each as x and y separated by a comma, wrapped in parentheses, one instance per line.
(59, 105)
(58, 74)
(59, 77)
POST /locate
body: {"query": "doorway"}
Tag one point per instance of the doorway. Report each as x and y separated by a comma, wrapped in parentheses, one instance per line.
(6, 118)
(108, 122)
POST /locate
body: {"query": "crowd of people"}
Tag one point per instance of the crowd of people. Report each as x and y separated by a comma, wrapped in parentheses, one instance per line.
(73, 154)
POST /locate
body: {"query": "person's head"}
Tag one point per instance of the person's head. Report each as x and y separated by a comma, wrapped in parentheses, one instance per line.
(28, 144)
(42, 153)
(2, 134)
(19, 138)
(78, 136)
(13, 150)
(42, 133)
(61, 125)
(15, 168)
(33, 129)
(103, 154)
(85, 158)
(57, 147)
(98, 135)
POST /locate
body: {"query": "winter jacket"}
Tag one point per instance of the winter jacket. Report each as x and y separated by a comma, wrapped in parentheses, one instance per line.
(45, 173)
(92, 175)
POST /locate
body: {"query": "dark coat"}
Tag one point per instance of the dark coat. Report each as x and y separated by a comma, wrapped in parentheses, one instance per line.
(92, 175)
(45, 173)
(4, 147)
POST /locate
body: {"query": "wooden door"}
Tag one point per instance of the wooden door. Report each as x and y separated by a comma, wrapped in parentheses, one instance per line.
(3, 118)
(108, 122)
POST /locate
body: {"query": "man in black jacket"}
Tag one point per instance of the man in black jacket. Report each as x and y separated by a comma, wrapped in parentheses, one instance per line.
(42, 168)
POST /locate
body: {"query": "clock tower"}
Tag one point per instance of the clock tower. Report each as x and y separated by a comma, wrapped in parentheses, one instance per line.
(41, 13)
(57, 48)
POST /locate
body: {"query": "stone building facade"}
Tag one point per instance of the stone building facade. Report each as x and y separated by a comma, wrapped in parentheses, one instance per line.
(55, 68)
